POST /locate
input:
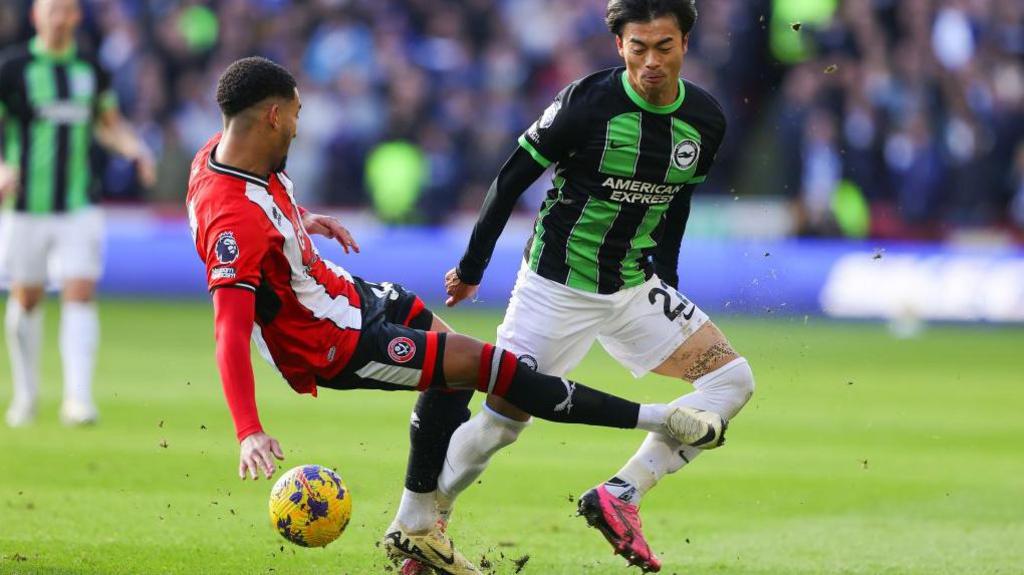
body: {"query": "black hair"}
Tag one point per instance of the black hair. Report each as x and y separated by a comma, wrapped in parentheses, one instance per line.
(249, 81)
(622, 12)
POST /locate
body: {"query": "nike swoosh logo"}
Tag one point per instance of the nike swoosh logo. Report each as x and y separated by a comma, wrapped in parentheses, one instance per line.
(613, 145)
(450, 560)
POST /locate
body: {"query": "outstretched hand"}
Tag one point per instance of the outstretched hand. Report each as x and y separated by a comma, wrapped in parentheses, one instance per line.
(456, 289)
(329, 227)
(255, 454)
(146, 166)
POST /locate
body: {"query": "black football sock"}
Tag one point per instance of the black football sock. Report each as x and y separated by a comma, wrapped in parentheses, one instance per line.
(438, 413)
(551, 398)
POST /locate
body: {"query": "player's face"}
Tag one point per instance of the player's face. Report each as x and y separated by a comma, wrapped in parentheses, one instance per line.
(653, 52)
(56, 19)
(287, 125)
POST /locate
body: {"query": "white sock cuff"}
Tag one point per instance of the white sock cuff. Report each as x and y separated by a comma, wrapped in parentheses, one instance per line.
(78, 307)
(708, 377)
(495, 418)
(418, 497)
(417, 511)
(652, 416)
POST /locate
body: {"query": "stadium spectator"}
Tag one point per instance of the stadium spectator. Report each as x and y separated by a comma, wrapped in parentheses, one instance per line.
(925, 98)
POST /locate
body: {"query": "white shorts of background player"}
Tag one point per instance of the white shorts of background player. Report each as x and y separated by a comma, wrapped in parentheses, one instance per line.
(35, 248)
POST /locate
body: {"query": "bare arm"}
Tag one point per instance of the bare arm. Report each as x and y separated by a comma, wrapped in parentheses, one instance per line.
(8, 180)
(328, 227)
(8, 172)
(114, 134)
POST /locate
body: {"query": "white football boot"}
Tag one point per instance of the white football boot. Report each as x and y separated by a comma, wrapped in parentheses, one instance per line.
(77, 413)
(22, 412)
(696, 427)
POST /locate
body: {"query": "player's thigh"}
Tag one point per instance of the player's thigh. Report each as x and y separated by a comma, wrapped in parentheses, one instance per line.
(78, 257)
(25, 245)
(439, 325)
(548, 326)
(702, 353)
(653, 322)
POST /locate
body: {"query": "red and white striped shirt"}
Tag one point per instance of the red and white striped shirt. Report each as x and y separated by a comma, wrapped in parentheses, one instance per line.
(248, 231)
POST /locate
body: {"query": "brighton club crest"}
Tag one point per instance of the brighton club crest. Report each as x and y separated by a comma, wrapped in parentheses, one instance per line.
(685, 154)
(529, 361)
(548, 117)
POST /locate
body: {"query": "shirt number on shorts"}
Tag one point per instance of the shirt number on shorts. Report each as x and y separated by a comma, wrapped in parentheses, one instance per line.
(666, 303)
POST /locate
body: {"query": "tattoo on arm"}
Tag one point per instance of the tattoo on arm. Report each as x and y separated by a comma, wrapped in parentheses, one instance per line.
(709, 357)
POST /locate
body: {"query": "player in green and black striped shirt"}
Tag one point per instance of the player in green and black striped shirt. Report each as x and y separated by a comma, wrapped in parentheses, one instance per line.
(628, 146)
(53, 100)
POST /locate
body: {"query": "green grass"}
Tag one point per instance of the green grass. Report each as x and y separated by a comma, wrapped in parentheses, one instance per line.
(859, 454)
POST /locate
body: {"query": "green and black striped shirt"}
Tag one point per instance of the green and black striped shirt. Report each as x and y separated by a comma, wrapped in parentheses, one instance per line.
(624, 172)
(49, 104)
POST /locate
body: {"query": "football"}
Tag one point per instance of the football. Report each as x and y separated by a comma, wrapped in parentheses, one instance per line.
(310, 505)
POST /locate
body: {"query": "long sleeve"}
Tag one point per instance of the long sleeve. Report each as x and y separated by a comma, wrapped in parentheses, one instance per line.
(547, 141)
(234, 312)
(666, 256)
(518, 173)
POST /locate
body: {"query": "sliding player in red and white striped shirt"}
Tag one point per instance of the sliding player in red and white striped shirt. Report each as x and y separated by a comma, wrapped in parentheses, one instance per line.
(321, 327)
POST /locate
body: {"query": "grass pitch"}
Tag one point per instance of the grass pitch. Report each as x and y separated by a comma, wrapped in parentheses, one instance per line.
(859, 454)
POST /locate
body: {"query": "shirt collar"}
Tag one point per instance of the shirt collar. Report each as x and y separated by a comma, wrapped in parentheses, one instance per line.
(37, 49)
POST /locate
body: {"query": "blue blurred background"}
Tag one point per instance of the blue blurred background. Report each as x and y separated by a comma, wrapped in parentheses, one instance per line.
(874, 165)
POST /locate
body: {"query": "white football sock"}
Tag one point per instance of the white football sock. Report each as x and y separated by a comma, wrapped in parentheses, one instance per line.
(652, 416)
(79, 338)
(417, 512)
(724, 391)
(24, 338)
(470, 450)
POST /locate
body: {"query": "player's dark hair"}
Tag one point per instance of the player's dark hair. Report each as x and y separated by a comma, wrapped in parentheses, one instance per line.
(249, 81)
(622, 12)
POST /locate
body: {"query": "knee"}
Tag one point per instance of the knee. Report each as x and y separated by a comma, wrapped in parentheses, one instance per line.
(79, 291)
(461, 362)
(744, 381)
(28, 298)
(729, 387)
(29, 304)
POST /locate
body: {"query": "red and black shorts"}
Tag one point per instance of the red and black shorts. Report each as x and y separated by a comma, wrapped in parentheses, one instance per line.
(396, 350)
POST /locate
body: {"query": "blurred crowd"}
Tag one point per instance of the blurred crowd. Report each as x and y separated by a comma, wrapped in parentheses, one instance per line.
(909, 118)
(889, 118)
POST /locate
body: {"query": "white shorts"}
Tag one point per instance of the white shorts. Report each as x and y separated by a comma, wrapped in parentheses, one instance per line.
(35, 248)
(551, 326)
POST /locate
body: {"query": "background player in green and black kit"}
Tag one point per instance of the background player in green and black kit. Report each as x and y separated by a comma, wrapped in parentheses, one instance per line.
(629, 145)
(53, 100)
